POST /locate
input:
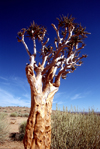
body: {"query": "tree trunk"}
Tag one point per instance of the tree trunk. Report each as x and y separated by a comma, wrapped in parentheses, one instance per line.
(38, 128)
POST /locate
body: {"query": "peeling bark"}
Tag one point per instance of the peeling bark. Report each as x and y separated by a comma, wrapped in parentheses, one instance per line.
(38, 128)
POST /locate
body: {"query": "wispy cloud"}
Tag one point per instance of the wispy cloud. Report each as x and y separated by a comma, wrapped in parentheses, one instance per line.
(27, 96)
(59, 97)
(55, 101)
(3, 78)
(17, 81)
(14, 83)
(8, 99)
(77, 96)
(60, 102)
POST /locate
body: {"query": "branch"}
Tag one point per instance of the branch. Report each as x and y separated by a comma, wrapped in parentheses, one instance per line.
(58, 77)
(65, 33)
(26, 47)
(43, 44)
(57, 32)
(43, 48)
(44, 60)
(56, 67)
(52, 71)
(32, 61)
(30, 75)
(70, 33)
(48, 66)
(56, 44)
(62, 43)
(34, 46)
(77, 49)
(69, 62)
(21, 35)
(32, 57)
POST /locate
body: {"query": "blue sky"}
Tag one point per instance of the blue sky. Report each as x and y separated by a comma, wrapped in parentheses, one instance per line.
(81, 88)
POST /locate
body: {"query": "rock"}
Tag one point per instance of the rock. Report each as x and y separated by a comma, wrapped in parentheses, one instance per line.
(12, 122)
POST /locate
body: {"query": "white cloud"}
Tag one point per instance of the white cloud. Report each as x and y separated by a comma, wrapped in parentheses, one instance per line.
(77, 96)
(60, 102)
(16, 85)
(3, 78)
(58, 95)
(14, 91)
(20, 82)
(28, 96)
(8, 99)
(54, 101)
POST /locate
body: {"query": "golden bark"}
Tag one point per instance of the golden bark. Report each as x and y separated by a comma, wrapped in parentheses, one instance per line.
(38, 128)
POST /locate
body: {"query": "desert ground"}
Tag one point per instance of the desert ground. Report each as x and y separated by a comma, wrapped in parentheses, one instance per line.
(13, 124)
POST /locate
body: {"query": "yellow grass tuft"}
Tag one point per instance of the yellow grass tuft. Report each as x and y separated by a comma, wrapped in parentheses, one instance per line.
(4, 128)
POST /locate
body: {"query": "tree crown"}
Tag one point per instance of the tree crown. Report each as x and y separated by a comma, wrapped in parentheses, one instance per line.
(65, 57)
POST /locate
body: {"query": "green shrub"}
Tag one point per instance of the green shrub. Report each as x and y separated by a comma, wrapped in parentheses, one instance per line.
(4, 128)
(22, 127)
(13, 115)
(19, 115)
(5, 111)
(25, 115)
(22, 131)
(21, 136)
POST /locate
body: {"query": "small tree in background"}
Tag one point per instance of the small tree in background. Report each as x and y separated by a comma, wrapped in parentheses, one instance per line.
(44, 78)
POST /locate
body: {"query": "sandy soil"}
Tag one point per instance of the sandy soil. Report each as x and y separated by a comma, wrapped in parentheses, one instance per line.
(12, 145)
(14, 123)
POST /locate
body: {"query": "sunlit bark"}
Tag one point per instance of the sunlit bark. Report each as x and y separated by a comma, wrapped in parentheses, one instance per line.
(38, 129)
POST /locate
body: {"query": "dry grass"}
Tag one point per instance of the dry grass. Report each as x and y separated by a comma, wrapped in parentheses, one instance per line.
(75, 131)
(16, 114)
(4, 128)
(13, 115)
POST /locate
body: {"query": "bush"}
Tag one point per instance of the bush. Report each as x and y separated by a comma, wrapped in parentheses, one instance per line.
(16, 136)
(21, 136)
(25, 115)
(22, 130)
(13, 115)
(22, 127)
(4, 128)
(19, 115)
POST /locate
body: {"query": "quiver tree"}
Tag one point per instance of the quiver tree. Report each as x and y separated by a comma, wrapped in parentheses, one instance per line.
(44, 78)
